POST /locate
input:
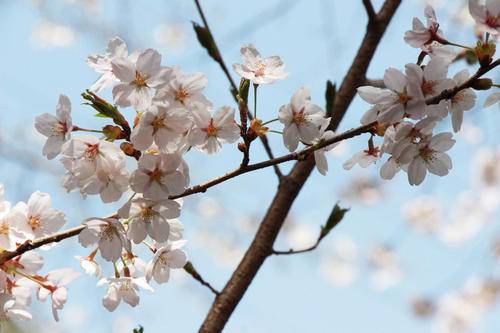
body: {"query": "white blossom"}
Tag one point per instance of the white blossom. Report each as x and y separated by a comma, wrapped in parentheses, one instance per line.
(122, 288)
(167, 257)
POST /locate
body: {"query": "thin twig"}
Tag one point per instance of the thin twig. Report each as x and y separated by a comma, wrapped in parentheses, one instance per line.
(292, 251)
(192, 271)
(222, 64)
(372, 16)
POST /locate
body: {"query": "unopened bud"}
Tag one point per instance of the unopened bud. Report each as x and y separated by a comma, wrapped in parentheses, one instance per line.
(113, 132)
(242, 147)
(485, 52)
(129, 150)
(482, 84)
(256, 129)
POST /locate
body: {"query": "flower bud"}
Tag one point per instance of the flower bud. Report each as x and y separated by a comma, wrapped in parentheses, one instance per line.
(113, 132)
(129, 150)
(242, 146)
(482, 84)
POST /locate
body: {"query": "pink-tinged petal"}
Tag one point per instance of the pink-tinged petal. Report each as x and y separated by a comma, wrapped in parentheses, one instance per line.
(442, 142)
(211, 147)
(369, 94)
(44, 124)
(491, 99)
(63, 108)
(461, 76)
(149, 62)
(389, 169)
(99, 63)
(394, 79)
(195, 82)
(436, 69)
(224, 116)
(116, 48)
(456, 120)
(110, 193)
(177, 258)
(477, 10)
(52, 146)
(301, 97)
(38, 203)
(137, 230)
(250, 55)
(161, 274)
(437, 166)
(103, 82)
(160, 229)
(414, 74)
(416, 172)
(121, 94)
(123, 69)
(243, 71)
(370, 115)
(175, 182)
(140, 97)
(142, 136)
(291, 137)
(111, 249)
(321, 162)
(493, 7)
(111, 300)
(285, 114)
(392, 113)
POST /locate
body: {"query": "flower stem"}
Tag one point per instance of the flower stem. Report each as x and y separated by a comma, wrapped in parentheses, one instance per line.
(273, 131)
(76, 128)
(255, 100)
(270, 121)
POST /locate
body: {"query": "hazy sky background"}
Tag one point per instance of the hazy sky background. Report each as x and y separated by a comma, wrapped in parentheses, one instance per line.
(45, 44)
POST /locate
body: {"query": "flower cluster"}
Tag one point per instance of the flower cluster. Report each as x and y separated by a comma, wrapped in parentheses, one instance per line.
(413, 103)
(18, 277)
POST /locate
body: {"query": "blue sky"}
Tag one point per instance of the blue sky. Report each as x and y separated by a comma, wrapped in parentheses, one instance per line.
(316, 40)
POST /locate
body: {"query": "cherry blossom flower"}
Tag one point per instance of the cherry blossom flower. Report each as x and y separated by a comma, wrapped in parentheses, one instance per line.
(163, 125)
(116, 48)
(420, 35)
(303, 120)
(209, 133)
(258, 70)
(57, 129)
(149, 217)
(319, 154)
(90, 266)
(183, 90)
(11, 310)
(428, 155)
(108, 234)
(110, 180)
(432, 78)
(36, 219)
(463, 100)
(486, 14)
(364, 158)
(165, 258)
(405, 97)
(122, 288)
(158, 176)
(58, 291)
(138, 79)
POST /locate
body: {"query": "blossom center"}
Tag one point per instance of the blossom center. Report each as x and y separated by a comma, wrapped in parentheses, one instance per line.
(91, 152)
(107, 232)
(211, 129)
(181, 94)
(58, 129)
(299, 117)
(158, 123)
(126, 286)
(426, 153)
(260, 70)
(34, 222)
(492, 20)
(147, 214)
(140, 79)
(428, 87)
(403, 98)
(4, 228)
(156, 175)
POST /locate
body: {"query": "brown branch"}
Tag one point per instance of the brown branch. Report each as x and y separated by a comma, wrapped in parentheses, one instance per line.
(292, 251)
(289, 187)
(372, 16)
(192, 271)
(299, 155)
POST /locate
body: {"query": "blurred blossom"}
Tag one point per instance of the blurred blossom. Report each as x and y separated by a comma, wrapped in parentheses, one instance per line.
(424, 214)
(123, 324)
(338, 272)
(223, 247)
(437, 4)
(48, 35)
(471, 133)
(386, 268)
(89, 6)
(246, 225)
(362, 189)
(171, 36)
(467, 218)
(208, 207)
(422, 307)
(486, 166)
(301, 236)
(344, 247)
(462, 311)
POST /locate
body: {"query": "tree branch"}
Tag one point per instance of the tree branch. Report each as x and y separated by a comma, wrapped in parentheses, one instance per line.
(191, 271)
(372, 16)
(289, 187)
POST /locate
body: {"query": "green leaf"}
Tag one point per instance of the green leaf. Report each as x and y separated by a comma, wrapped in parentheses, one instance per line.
(206, 40)
(335, 217)
(100, 115)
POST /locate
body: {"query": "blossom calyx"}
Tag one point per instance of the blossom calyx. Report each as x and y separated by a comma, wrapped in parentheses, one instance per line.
(256, 129)
(485, 50)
